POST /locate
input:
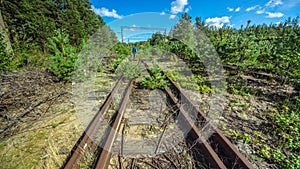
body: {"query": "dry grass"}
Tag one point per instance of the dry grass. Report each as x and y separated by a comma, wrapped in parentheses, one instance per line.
(47, 134)
(46, 145)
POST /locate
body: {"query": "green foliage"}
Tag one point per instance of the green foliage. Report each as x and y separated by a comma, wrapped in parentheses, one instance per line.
(264, 151)
(5, 56)
(129, 70)
(156, 39)
(285, 127)
(156, 81)
(287, 122)
(30, 23)
(240, 136)
(34, 21)
(184, 31)
(204, 89)
(271, 48)
(122, 51)
(62, 60)
(293, 162)
(277, 156)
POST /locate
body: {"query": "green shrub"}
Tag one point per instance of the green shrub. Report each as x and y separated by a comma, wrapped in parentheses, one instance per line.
(156, 81)
(286, 126)
(129, 70)
(5, 56)
(64, 55)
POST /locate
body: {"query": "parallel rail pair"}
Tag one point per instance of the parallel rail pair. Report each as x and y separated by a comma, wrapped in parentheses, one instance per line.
(226, 156)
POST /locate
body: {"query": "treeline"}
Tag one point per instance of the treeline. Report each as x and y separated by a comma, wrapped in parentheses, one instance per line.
(273, 48)
(39, 30)
(30, 23)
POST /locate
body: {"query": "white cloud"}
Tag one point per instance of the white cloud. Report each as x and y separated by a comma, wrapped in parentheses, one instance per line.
(252, 8)
(218, 22)
(237, 9)
(172, 16)
(187, 9)
(133, 27)
(260, 11)
(274, 15)
(162, 13)
(230, 9)
(105, 12)
(274, 3)
(178, 6)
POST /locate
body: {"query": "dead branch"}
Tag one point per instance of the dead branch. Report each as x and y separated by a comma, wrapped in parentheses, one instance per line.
(31, 108)
(172, 162)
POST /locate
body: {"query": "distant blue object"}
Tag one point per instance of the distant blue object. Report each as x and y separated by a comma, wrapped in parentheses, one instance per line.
(134, 50)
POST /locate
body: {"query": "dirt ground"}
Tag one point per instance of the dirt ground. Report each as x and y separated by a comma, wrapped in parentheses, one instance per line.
(39, 125)
(38, 122)
(247, 116)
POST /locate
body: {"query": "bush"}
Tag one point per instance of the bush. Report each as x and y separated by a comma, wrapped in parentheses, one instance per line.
(64, 55)
(156, 81)
(5, 56)
(286, 126)
(129, 70)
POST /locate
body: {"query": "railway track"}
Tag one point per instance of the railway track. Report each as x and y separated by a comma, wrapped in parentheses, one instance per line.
(218, 150)
(86, 145)
(215, 151)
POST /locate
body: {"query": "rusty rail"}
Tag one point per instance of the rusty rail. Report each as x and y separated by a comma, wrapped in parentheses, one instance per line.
(214, 160)
(227, 155)
(217, 139)
(85, 140)
(104, 158)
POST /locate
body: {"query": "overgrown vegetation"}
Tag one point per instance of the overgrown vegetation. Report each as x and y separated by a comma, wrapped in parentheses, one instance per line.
(5, 56)
(63, 56)
(156, 80)
(272, 49)
(129, 70)
(286, 128)
(51, 34)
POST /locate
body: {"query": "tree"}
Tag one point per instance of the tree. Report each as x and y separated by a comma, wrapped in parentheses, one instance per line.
(63, 56)
(184, 30)
(31, 22)
(156, 38)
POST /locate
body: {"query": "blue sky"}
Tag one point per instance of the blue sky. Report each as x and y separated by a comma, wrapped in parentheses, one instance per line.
(165, 13)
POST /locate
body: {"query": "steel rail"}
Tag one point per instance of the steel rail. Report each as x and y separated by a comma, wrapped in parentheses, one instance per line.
(214, 160)
(85, 140)
(104, 158)
(217, 139)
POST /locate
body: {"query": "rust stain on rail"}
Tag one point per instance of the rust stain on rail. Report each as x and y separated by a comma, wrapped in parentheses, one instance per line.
(217, 138)
(104, 159)
(85, 141)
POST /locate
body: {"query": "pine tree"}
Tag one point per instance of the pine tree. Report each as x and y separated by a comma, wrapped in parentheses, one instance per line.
(184, 30)
(31, 22)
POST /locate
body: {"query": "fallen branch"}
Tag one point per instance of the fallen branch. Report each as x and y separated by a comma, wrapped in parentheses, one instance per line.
(132, 163)
(172, 162)
(31, 108)
(148, 163)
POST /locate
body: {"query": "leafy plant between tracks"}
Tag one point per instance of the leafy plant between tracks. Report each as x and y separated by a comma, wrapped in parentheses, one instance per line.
(156, 80)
